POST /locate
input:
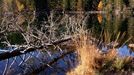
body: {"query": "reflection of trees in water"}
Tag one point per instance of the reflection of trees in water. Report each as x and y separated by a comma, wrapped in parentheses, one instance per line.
(123, 28)
(42, 9)
(131, 28)
(112, 25)
(93, 24)
(126, 2)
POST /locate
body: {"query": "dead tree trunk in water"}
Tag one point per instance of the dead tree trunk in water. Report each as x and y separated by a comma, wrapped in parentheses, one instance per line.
(42, 10)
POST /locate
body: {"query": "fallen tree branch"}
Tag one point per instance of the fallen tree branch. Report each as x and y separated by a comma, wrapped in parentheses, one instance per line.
(14, 53)
(23, 50)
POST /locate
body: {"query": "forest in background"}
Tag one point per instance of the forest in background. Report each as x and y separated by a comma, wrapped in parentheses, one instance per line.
(66, 5)
(44, 7)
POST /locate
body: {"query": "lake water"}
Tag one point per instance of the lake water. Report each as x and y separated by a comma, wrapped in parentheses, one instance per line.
(108, 25)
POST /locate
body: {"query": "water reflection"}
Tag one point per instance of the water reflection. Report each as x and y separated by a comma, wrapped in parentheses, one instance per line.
(112, 27)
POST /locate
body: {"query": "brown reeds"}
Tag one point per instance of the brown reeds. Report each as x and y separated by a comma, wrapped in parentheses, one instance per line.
(92, 61)
(87, 56)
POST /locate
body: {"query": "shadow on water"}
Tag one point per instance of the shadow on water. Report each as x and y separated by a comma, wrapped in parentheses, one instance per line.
(110, 26)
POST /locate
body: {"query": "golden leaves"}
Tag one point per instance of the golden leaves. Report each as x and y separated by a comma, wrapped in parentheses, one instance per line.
(100, 5)
(100, 18)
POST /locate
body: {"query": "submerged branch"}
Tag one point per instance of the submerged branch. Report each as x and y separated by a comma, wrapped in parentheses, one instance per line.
(16, 52)
(44, 66)
(24, 50)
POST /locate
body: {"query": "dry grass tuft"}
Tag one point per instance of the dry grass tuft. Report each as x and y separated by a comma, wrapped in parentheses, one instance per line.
(87, 56)
(92, 62)
(111, 55)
